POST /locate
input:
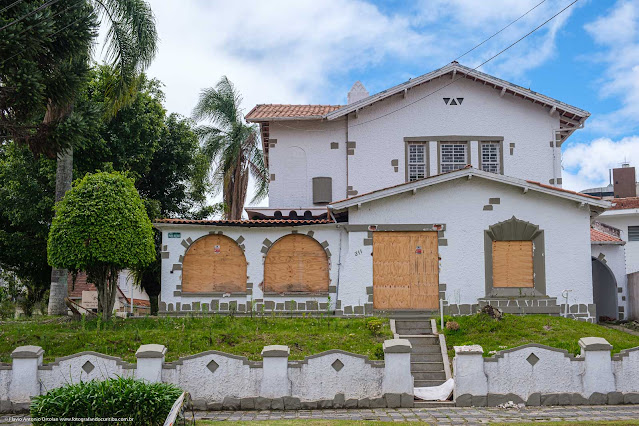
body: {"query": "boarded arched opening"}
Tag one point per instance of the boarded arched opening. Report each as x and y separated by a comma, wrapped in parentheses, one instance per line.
(296, 264)
(604, 290)
(214, 263)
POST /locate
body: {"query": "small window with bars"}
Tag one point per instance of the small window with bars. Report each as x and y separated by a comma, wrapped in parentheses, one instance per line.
(416, 161)
(453, 156)
(633, 233)
(490, 157)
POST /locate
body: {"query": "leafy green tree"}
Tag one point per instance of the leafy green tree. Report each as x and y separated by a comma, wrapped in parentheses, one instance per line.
(101, 227)
(231, 146)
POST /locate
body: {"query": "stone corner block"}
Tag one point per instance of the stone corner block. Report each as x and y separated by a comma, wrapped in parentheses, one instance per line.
(151, 351)
(394, 346)
(468, 350)
(275, 351)
(28, 351)
(594, 344)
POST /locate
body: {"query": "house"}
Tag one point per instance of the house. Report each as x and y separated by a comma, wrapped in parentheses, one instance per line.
(443, 189)
(85, 294)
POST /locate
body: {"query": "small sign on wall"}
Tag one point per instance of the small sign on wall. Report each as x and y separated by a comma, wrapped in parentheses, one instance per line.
(175, 235)
(217, 249)
(418, 250)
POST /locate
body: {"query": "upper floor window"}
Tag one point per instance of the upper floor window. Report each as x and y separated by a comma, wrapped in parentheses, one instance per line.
(453, 156)
(633, 233)
(416, 161)
(490, 157)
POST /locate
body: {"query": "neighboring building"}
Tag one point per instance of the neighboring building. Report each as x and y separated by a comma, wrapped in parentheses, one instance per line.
(85, 294)
(446, 192)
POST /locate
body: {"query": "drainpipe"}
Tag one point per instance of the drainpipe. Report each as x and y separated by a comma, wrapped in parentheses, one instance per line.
(346, 152)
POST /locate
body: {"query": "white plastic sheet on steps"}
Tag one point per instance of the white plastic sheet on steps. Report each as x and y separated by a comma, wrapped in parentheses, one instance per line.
(436, 393)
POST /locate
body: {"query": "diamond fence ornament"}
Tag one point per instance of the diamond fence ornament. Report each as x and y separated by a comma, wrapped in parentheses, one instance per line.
(212, 366)
(532, 359)
(88, 367)
(337, 365)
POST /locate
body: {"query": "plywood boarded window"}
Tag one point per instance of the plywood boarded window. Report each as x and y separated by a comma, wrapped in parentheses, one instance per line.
(214, 263)
(513, 264)
(296, 263)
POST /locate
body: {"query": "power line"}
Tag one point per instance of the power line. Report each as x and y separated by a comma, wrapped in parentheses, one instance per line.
(498, 32)
(474, 69)
(10, 6)
(10, 24)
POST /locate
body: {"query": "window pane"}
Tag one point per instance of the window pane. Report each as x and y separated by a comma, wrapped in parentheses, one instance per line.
(453, 156)
(633, 233)
(416, 161)
(490, 157)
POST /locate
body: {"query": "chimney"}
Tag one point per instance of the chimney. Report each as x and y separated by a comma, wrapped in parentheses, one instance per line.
(624, 181)
(357, 93)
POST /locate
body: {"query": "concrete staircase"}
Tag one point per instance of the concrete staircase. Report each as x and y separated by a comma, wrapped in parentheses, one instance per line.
(429, 364)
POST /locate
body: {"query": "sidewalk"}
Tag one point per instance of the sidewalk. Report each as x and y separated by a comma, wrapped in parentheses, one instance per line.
(446, 415)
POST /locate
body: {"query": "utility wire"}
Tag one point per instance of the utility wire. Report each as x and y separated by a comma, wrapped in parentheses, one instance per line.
(11, 5)
(474, 69)
(12, 23)
(498, 32)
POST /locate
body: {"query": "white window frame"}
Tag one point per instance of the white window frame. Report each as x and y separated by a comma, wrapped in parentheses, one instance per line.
(420, 167)
(491, 166)
(456, 165)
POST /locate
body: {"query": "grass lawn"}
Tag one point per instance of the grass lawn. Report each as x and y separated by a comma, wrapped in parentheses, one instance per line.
(189, 335)
(514, 330)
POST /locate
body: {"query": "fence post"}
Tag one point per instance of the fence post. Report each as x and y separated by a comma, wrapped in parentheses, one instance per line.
(470, 378)
(397, 376)
(275, 383)
(24, 373)
(150, 359)
(598, 375)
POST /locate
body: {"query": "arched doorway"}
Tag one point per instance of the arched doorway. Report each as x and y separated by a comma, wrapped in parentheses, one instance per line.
(296, 263)
(214, 263)
(604, 290)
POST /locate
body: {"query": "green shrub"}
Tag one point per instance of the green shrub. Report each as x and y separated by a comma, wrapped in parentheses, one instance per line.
(375, 325)
(145, 403)
(7, 309)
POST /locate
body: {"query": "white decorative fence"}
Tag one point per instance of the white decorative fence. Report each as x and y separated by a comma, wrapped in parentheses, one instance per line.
(217, 380)
(540, 375)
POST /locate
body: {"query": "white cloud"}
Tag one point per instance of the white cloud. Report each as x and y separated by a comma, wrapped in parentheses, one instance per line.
(587, 165)
(617, 33)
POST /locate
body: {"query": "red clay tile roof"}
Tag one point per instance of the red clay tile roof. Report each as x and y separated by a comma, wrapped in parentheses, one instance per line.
(625, 203)
(263, 112)
(599, 236)
(81, 284)
(543, 185)
(257, 222)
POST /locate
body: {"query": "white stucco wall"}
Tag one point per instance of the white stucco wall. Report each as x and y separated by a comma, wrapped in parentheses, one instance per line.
(5, 382)
(69, 370)
(614, 257)
(459, 205)
(621, 219)
(253, 243)
(303, 148)
(302, 152)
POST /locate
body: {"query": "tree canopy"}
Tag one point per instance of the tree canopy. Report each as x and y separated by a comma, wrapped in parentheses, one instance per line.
(101, 227)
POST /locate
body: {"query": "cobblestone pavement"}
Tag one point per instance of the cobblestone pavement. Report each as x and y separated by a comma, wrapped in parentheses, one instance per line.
(442, 416)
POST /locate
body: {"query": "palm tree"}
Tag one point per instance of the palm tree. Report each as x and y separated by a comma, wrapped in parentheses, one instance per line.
(232, 147)
(131, 44)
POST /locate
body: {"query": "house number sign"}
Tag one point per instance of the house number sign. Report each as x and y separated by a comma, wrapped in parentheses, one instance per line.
(217, 249)
(175, 234)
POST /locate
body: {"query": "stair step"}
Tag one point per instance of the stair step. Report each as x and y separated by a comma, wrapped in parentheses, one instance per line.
(426, 366)
(433, 357)
(413, 324)
(426, 349)
(413, 331)
(433, 404)
(429, 375)
(422, 340)
(427, 383)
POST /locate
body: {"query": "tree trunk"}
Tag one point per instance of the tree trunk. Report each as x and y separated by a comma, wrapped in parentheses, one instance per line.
(59, 277)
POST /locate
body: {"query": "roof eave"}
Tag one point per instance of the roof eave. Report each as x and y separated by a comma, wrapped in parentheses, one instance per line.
(267, 119)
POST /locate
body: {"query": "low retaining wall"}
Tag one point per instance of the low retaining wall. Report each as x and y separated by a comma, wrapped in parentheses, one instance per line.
(217, 380)
(540, 375)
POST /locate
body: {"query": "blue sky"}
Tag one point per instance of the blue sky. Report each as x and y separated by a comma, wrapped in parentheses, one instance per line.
(303, 51)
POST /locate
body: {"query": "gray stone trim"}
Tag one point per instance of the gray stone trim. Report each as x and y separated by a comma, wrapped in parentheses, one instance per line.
(28, 351)
(624, 353)
(548, 399)
(151, 351)
(514, 229)
(271, 177)
(213, 293)
(372, 363)
(180, 361)
(488, 207)
(273, 351)
(594, 344)
(177, 293)
(500, 354)
(462, 309)
(334, 145)
(297, 293)
(494, 200)
(165, 254)
(118, 360)
(395, 162)
(178, 287)
(453, 138)
(398, 227)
